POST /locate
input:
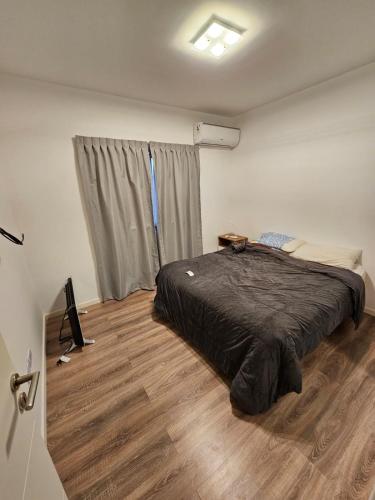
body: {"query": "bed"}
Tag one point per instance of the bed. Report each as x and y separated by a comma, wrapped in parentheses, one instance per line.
(254, 314)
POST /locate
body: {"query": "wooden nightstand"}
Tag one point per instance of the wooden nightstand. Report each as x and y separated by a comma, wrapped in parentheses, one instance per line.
(227, 239)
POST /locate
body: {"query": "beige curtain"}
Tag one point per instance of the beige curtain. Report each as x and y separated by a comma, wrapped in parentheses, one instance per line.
(115, 183)
(177, 173)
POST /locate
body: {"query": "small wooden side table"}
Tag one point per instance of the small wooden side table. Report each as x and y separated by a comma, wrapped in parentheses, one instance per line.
(227, 239)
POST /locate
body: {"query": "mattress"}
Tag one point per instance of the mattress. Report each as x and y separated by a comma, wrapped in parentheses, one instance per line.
(359, 269)
(255, 314)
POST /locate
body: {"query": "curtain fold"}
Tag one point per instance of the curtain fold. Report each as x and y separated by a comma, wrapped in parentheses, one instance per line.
(116, 188)
(177, 171)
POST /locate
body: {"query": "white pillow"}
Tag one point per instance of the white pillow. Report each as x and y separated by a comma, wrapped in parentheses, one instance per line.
(329, 255)
(292, 245)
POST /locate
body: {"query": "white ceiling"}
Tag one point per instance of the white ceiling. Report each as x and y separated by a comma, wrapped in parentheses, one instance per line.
(140, 48)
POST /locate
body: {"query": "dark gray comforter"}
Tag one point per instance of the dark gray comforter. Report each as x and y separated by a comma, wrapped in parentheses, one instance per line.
(256, 313)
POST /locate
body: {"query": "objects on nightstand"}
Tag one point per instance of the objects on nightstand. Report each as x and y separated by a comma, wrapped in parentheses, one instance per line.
(227, 239)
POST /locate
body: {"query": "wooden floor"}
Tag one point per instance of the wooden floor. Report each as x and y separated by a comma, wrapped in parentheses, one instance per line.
(142, 415)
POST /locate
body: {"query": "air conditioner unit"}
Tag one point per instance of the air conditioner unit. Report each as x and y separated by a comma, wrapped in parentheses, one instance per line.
(207, 134)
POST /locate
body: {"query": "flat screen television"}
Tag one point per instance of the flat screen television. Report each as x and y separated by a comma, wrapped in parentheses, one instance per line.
(71, 313)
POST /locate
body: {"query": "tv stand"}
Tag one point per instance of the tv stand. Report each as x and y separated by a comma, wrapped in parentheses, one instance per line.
(73, 345)
(88, 341)
(64, 358)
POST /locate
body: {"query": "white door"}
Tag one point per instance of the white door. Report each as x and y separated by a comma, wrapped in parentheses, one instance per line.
(26, 468)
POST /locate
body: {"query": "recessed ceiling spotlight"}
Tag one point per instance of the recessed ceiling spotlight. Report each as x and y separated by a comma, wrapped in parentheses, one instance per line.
(216, 36)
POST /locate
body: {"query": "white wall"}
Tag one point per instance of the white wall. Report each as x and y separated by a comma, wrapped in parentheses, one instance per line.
(306, 166)
(20, 315)
(37, 123)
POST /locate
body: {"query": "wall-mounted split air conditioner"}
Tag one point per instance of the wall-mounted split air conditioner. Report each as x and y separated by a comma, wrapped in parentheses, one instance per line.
(207, 134)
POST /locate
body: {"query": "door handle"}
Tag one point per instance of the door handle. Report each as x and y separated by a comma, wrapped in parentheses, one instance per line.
(25, 402)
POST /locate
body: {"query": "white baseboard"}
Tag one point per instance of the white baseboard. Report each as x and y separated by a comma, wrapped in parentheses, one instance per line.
(82, 305)
(370, 310)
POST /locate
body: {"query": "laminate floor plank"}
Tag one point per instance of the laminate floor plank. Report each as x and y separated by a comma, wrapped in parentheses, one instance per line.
(141, 414)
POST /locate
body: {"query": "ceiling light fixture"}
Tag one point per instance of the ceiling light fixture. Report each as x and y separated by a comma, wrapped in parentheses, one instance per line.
(232, 37)
(202, 43)
(214, 30)
(218, 49)
(216, 36)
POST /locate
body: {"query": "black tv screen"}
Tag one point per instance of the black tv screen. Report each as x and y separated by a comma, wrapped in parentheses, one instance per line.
(73, 314)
